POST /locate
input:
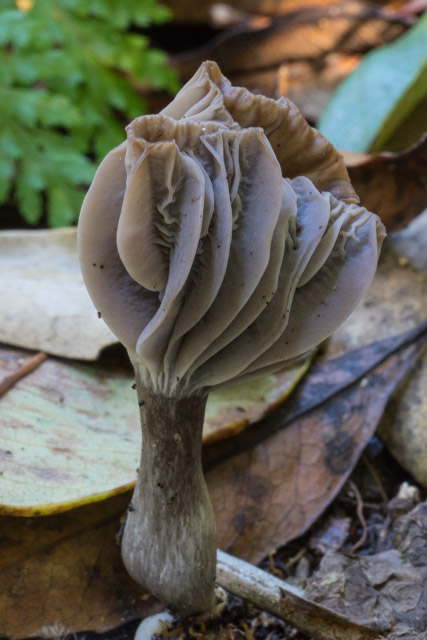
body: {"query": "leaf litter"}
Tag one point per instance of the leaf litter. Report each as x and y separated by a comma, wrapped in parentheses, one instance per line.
(278, 481)
(260, 505)
(392, 581)
(73, 549)
(395, 301)
(77, 570)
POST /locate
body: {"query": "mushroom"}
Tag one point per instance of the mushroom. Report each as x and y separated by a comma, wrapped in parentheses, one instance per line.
(221, 242)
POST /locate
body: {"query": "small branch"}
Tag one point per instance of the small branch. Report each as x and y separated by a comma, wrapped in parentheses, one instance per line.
(32, 363)
(287, 602)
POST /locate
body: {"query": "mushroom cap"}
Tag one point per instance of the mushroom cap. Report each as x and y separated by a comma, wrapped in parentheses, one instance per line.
(223, 239)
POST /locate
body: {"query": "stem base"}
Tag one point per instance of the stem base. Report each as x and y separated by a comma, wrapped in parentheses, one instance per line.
(169, 540)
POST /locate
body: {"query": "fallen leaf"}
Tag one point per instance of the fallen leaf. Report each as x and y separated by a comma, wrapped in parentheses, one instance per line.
(66, 570)
(64, 573)
(327, 378)
(285, 601)
(409, 536)
(48, 307)
(386, 88)
(278, 480)
(394, 185)
(307, 33)
(232, 409)
(70, 431)
(310, 85)
(395, 301)
(387, 587)
(202, 11)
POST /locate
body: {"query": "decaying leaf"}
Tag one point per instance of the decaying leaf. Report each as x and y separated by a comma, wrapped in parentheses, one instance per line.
(310, 85)
(202, 12)
(66, 567)
(70, 431)
(307, 33)
(394, 185)
(64, 573)
(395, 301)
(289, 603)
(388, 587)
(278, 480)
(48, 307)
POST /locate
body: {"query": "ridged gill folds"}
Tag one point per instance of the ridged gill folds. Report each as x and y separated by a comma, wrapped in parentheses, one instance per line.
(223, 239)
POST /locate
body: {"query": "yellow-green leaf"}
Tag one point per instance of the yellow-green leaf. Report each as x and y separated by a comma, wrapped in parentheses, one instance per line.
(69, 432)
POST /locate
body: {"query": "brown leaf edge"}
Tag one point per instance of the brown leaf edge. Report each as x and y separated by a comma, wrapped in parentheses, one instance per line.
(394, 185)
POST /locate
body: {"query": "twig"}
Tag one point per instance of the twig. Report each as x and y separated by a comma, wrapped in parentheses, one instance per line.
(32, 363)
(288, 602)
(366, 505)
(295, 558)
(359, 511)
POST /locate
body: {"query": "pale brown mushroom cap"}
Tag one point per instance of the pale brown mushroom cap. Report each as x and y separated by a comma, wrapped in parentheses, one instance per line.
(229, 235)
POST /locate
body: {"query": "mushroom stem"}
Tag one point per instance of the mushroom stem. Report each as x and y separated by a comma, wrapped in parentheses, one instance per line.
(169, 540)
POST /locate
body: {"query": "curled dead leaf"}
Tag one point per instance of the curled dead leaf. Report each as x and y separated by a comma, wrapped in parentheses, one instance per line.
(394, 185)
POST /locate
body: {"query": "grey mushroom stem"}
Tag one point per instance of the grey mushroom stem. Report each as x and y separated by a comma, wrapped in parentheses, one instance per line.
(220, 242)
(169, 541)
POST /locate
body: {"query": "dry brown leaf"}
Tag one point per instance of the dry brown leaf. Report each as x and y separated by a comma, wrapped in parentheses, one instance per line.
(272, 490)
(387, 587)
(306, 34)
(185, 11)
(311, 83)
(396, 300)
(194, 11)
(394, 185)
(403, 428)
(48, 307)
(64, 573)
(66, 570)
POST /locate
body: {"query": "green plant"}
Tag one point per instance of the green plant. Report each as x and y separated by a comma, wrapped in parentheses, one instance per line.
(381, 95)
(68, 70)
